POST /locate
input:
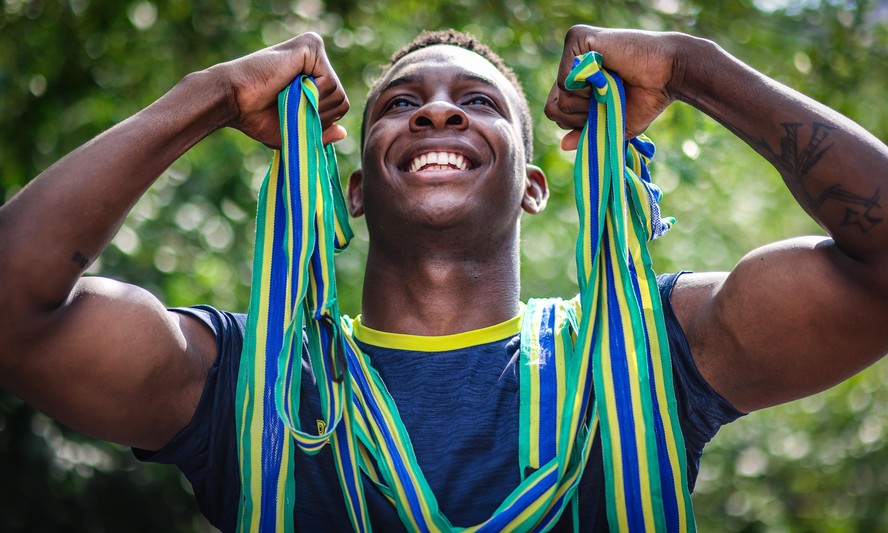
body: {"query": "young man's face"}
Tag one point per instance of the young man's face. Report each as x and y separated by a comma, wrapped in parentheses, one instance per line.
(443, 144)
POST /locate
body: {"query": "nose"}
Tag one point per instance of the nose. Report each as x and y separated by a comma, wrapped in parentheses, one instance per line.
(438, 115)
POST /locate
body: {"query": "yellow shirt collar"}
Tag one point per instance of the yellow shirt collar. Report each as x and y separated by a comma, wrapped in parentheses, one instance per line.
(437, 343)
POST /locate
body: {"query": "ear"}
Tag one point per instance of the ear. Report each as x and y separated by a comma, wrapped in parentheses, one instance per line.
(536, 190)
(355, 194)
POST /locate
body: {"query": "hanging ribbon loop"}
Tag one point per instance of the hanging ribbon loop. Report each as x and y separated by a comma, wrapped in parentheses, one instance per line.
(597, 364)
(622, 324)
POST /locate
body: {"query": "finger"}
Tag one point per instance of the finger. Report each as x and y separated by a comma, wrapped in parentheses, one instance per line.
(577, 41)
(566, 64)
(571, 141)
(321, 70)
(333, 107)
(330, 119)
(575, 115)
(570, 103)
(337, 100)
(334, 134)
(551, 108)
(333, 103)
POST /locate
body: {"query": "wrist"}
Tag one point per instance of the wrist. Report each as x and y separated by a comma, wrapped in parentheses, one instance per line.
(211, 92)
(693, 67)
(194, 108)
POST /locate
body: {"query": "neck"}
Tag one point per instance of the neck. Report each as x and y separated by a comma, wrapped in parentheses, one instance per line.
(421, 290)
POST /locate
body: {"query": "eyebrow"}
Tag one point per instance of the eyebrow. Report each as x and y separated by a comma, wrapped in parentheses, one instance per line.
(403, 80)
(471, 76)
(413, 78)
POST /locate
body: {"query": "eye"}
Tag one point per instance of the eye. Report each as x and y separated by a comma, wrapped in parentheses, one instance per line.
(480, 99)
(399, 102)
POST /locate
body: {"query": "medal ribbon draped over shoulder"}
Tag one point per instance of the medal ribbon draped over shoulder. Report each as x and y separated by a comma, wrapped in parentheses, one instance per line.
(611, 339)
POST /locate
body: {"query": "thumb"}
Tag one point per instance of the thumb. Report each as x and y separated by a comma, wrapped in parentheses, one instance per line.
(334, 134)
(571, 141)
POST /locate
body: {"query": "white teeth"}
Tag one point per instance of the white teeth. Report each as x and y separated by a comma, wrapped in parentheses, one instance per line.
(438, 161)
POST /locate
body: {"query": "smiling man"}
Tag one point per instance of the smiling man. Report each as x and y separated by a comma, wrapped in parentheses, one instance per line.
(436, 103)
(445, 177)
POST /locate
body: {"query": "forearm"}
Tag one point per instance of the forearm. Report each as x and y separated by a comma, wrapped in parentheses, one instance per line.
(57, 225)
(833, 167)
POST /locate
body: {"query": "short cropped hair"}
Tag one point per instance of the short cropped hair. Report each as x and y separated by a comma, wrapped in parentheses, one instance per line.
(467, 42)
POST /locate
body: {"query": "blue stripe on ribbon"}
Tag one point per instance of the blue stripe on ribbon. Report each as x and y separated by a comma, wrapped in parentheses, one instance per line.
(350, 482)
(375, 412)
(500, 520)
(594, 215)
(548, 386)
(273, 431)
(552, 514)
(623, 400)
(669, 499)
(294, 97)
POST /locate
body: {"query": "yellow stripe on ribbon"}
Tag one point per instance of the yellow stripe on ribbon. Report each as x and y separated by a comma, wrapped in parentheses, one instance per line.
(598, 364)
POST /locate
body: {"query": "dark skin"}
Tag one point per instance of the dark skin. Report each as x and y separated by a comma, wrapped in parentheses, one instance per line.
(457, 252)
(791, 319)
(101, 356)
(798, 316)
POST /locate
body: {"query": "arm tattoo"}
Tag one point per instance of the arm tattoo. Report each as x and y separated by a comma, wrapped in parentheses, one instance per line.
(853, 216)
(799, 162)
(798, 157)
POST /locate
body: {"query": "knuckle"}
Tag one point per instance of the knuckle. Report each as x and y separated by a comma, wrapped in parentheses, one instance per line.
(313, 38)
(576, 31)
(311, 42)
(549, 110)
(336, 98)
(581, 35)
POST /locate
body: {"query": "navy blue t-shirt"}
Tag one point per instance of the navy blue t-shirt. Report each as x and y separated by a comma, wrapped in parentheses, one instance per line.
(460, 408)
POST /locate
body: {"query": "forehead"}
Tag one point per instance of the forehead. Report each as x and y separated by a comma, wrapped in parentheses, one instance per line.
(446, 61)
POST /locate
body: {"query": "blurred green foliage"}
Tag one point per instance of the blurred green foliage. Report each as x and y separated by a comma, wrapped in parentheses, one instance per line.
(72, 68)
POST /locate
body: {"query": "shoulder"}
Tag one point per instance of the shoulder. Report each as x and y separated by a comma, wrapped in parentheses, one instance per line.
(206, 449)
(219, 335)
(791, 319)
(691, 299)
(223, 332)
(217, 323)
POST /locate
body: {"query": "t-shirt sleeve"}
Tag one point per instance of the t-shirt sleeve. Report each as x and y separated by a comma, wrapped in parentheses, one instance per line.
(701, 410)
(206, 450)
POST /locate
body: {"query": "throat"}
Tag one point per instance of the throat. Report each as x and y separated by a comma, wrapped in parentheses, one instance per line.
(439, 295)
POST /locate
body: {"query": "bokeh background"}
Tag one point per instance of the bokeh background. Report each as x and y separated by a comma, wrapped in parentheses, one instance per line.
(72, 68)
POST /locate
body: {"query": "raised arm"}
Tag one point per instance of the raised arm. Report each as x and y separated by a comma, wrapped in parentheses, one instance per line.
(101, 356)
(797, 316)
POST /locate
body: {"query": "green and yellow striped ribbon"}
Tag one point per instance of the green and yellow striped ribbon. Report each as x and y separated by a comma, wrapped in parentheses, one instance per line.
(616, 319)
(301, 223)
(622, 322)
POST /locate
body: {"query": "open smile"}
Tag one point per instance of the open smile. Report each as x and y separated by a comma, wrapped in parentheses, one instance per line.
(438, 161)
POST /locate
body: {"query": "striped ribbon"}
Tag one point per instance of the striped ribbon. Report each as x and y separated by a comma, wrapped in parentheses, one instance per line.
(617, 319)
(301, 223)
(622, 322)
